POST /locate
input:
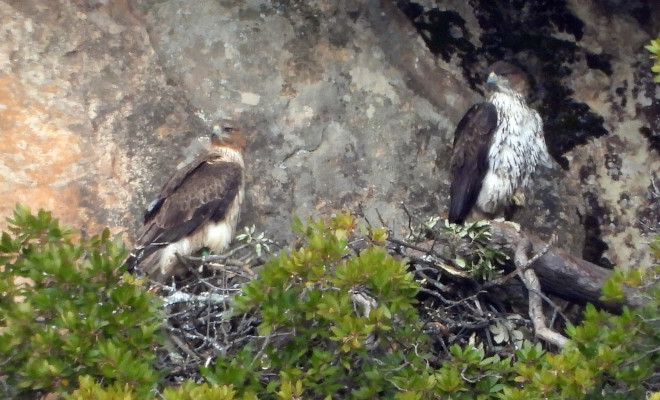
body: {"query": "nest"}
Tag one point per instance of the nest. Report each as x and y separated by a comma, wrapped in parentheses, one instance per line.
(197, 309)
(470, 293)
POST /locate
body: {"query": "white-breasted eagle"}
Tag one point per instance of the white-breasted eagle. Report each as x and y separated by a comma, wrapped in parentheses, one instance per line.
(497, 146)
(197, 208)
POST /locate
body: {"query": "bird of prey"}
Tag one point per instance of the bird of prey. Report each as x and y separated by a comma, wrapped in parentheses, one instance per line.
(497, 146)
(197, 208)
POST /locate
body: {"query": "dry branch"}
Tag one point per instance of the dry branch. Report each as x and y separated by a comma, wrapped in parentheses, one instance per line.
(531, 281)
(559, 272)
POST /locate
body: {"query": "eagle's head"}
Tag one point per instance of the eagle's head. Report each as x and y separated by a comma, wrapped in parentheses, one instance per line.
(508, 78)
(228, 133)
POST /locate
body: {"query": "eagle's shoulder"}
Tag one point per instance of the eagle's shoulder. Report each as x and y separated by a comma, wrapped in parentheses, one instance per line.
(469, 162)
(478, 121)
(172, 184)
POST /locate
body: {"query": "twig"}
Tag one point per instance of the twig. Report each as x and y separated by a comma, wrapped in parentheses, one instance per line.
(261, 350)
(215, 258)
(443, 288)
(641, 357)
(440, 262)
(182, 346)
(204, 298)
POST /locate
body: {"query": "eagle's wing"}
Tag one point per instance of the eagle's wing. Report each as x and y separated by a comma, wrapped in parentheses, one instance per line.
(469, 162)
(545, 158)
(198, 193)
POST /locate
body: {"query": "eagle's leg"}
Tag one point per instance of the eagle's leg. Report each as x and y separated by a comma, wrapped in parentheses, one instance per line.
(477, 215)
(517, 200)
(188, 264)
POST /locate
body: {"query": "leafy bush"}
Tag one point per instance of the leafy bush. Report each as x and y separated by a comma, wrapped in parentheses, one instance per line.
(67, 311)
(336, 316)
(654, 47)
(333, 323)
(484, 261)
(89, 389)
(609, 356)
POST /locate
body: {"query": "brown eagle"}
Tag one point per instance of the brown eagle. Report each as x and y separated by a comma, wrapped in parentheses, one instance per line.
(197, 208)
(497, 146)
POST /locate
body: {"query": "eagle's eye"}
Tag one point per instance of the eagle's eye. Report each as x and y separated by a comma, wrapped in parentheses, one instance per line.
(227, 129)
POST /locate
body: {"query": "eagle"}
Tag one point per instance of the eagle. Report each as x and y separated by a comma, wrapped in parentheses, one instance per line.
(198, 207)
(498, 144)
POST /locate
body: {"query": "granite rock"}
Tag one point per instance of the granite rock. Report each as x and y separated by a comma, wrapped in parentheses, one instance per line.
(345, 106)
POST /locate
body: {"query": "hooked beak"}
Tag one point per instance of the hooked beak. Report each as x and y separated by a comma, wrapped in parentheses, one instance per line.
(492, 78)
(222, 131)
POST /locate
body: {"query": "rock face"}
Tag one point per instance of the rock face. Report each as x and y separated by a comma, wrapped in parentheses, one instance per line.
(337, 126)
(86, 113)
(346, 107)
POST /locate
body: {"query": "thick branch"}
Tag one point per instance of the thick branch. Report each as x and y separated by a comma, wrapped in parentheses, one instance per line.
(559, 272)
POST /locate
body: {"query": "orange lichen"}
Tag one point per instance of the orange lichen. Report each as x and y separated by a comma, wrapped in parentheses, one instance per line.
(38, 156)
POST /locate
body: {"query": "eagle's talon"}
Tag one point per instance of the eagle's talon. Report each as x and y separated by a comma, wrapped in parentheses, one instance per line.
(519, 199)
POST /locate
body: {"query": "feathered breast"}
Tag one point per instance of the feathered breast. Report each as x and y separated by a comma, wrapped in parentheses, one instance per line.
(517, 148)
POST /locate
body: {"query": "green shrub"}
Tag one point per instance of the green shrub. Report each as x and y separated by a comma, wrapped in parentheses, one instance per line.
(654, 47)
(336, 319)
(609, 356)
(89, 389)
(66, 311)
(333, 323)
(484, 262)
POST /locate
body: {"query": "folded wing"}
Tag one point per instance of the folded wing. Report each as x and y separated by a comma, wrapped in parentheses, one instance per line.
(469, 163)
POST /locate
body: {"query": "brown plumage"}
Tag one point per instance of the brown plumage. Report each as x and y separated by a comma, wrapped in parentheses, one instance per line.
(198, 207)
(469, 161)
